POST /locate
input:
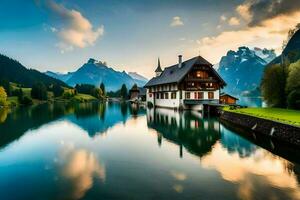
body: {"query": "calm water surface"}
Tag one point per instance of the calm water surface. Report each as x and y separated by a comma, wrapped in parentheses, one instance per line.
(113, 151)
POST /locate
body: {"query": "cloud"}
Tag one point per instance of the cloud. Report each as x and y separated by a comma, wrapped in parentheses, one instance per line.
(243, 11)
(269, 33)
(176, 21)
(233, 21)
(76, 31)
(223, 18)
(261, 10)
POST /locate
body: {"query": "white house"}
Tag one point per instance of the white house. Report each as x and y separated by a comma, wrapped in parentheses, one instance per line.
(188, 85)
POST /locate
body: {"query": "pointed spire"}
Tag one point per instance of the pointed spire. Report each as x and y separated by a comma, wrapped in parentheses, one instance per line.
(158, 69)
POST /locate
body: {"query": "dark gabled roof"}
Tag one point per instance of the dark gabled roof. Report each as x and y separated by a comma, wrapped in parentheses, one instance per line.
(225, 94)
(174, 74)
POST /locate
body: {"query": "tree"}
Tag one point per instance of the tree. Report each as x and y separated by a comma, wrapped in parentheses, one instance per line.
(293, 100)
(57, 90)
(97, 92)
(102, 87)
(123, 92)
(20, 95)
(273, 85)
(39, 91)
(6, 85)
(3, 96)
(293, 80)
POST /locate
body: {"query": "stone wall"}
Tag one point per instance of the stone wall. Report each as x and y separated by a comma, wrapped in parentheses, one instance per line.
(280, 131)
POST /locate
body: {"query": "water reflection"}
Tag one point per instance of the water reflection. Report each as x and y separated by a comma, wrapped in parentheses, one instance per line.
(113, 151)
(257, 172)
(186, 129)
(92, 117)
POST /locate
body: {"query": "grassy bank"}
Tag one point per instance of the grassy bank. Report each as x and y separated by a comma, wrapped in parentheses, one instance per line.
(276, 114)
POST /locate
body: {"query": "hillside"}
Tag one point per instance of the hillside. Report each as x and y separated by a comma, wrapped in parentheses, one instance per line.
(291, 50)
(14, 71)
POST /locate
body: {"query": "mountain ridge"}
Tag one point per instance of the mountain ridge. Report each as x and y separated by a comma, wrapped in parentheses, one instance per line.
(236, 66)
(95, 72)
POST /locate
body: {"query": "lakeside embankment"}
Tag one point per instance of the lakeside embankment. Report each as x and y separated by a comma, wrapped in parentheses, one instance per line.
(266, 121)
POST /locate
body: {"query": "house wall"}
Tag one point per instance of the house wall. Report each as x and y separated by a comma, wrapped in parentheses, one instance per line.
(176, 103)
(149, 97)
(205, 94)
(168, 103)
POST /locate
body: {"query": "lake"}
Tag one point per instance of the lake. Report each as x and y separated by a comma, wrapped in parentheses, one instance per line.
(116, 151)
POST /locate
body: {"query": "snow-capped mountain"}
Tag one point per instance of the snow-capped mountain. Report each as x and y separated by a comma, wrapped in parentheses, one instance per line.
(95, 72)
(242, 69)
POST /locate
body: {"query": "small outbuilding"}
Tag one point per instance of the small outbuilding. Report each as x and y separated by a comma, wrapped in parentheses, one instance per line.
(228, 99)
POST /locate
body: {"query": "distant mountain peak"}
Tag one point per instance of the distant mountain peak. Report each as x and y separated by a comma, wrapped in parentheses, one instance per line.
(236, 67)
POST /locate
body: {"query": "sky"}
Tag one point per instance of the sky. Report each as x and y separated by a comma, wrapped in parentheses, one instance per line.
(130, 35)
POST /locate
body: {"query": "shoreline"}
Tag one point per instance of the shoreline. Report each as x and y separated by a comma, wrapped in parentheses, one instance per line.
(273, 129)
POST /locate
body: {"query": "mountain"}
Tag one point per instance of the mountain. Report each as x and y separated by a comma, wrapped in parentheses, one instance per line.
(242, 69)
(14, 71)
(291, 50)
(59, 76)
(95, 72)
(139, 79)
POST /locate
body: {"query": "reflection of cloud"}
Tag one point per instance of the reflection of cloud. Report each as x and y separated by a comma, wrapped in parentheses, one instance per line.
(262, 164)
(178, 188)
(178, 175)
(79, 168)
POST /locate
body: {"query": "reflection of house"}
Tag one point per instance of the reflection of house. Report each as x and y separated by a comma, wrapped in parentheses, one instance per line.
(137, 93)
(188, 84)
(227, 99)
(186, 129)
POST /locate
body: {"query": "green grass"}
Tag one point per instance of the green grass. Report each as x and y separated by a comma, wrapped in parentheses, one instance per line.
(276, 114)
(84, 97)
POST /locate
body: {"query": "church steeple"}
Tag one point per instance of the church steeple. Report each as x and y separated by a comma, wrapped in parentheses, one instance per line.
(158, 70)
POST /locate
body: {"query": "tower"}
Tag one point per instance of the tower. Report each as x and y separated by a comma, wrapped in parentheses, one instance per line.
(158, 70)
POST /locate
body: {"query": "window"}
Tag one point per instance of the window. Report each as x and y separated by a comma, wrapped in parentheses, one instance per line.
(173, 95)
(200, 95)
(210, 95)
(157, 95)
(201, 74)
(166, 95)
(187, 95)
(162, 95)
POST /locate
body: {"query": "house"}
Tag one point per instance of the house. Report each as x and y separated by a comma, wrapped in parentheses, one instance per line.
(227, 99)
(137, 94)
(188, 85)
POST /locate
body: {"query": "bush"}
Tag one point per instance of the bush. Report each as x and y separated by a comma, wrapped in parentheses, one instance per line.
(68, 94)
(39, 91)
(293, 99)
(57, 90)
(27, 101)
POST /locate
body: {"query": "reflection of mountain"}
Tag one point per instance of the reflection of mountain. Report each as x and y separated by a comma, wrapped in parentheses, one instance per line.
(19, 121)
(97, 118)
(92, 117)
(186, 129)
(236, 144)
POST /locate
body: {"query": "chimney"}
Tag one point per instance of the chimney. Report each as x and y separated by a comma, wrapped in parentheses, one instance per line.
(180, 61)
